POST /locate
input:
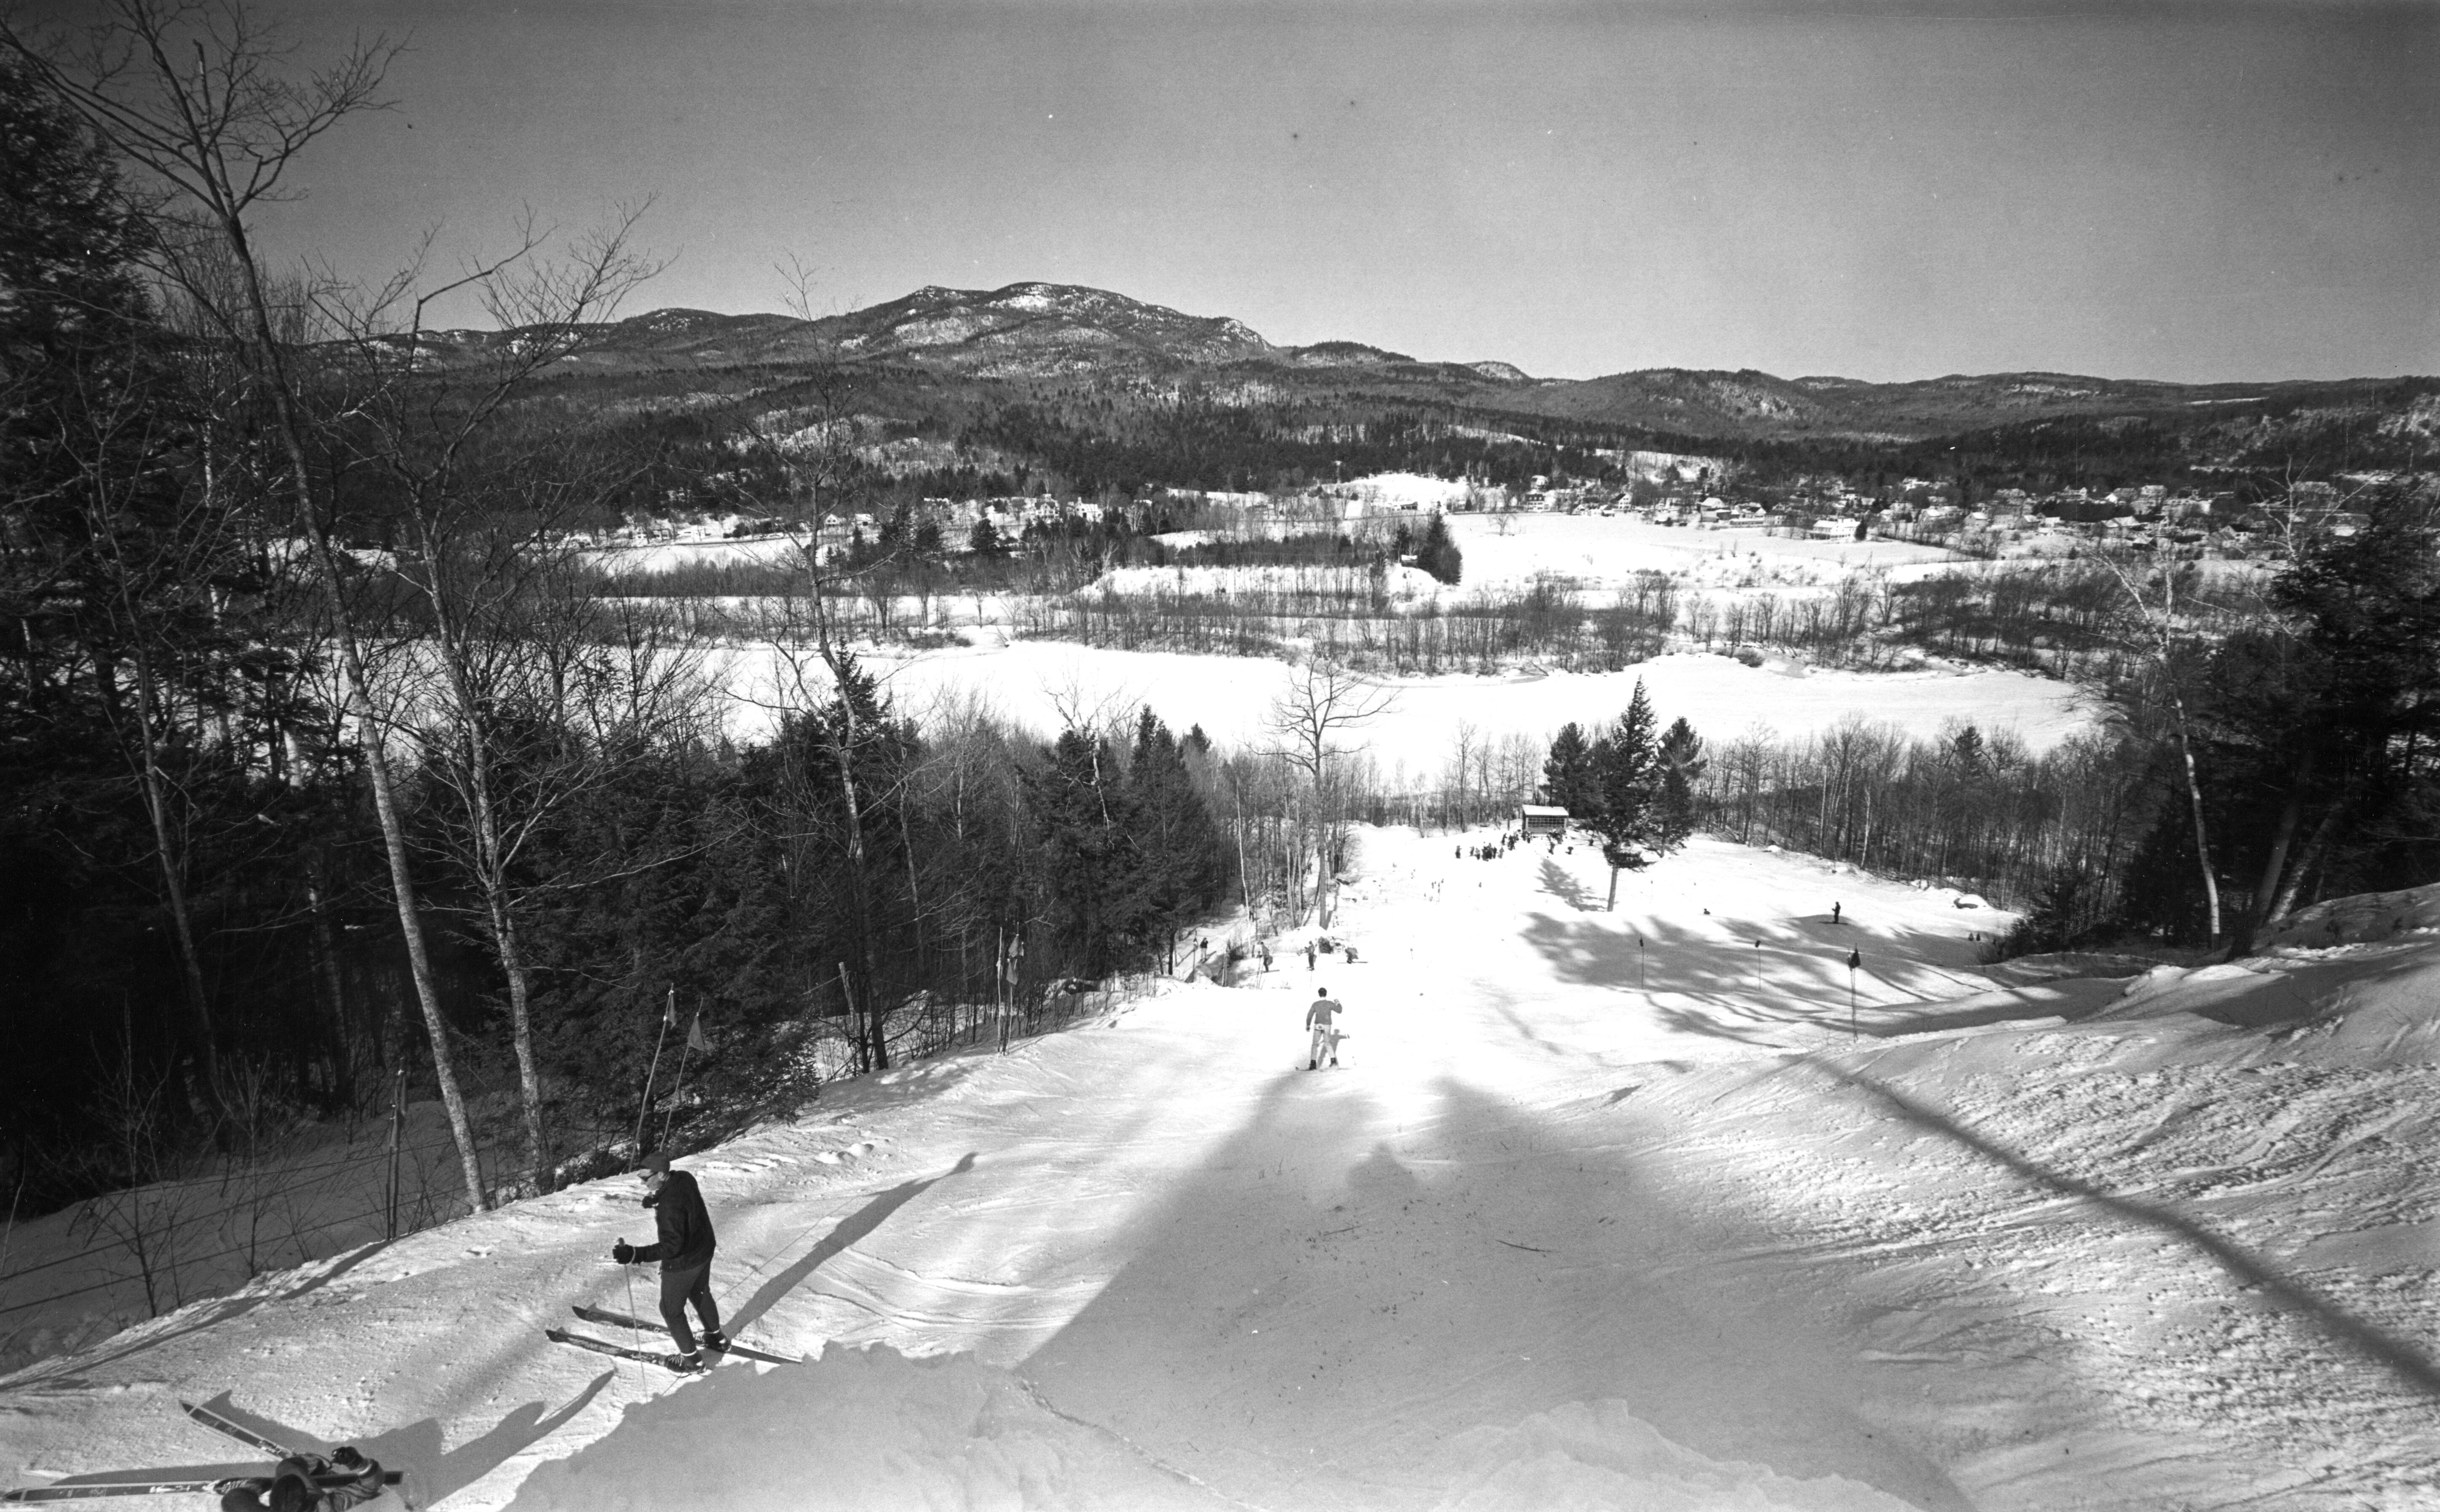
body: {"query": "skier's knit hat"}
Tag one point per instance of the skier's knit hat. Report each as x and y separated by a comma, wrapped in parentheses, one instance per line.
(656, 1161)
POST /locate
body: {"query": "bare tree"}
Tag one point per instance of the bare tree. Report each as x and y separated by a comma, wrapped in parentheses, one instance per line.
(2154, 603)
(480, 509)
(1321, 703)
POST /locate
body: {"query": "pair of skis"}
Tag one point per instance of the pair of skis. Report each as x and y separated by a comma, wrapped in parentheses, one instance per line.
(620, 1320)
(213, 1487)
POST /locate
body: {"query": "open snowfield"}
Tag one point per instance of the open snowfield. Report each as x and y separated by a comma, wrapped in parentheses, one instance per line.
(1514, 548)
(1040, 683)
(669, 556)
(1602, 1210)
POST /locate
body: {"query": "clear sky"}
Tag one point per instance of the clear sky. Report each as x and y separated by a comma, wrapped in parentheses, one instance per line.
(2194, 191)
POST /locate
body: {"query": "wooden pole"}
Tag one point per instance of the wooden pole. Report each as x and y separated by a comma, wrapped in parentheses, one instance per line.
(668, 1013)
(678, 1085)
(397, 1138)
(854, 1031)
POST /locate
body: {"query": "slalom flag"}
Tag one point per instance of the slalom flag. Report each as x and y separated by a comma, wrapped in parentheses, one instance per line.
(694, 1034)
(669, 1010)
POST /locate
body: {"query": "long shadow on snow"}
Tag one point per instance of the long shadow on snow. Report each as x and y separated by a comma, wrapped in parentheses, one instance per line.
(2410, 1363)
(848, 1230)
(1310, 1315)
(227, 1309)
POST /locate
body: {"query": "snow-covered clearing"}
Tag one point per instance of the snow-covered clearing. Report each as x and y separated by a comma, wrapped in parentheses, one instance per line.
(1602, 1210)
(1040, 683)
(671, 556)
(1597, 552)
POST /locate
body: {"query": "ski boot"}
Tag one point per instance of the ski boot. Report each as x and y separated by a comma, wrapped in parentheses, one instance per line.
(715, 1341)
(686, 1364)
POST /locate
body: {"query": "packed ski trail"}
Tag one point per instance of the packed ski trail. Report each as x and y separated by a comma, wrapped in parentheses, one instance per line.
(1548, 1238)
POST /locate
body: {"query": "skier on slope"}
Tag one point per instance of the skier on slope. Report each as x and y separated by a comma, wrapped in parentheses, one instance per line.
(290, 1487)
(684, 1250)
(1325, 1039)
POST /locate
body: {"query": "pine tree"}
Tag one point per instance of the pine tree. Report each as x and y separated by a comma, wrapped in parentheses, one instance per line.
(1681, 767)
(1438, 554)
(1568, 773)
(1182, 854)
(1626, 773)
(1085, 822)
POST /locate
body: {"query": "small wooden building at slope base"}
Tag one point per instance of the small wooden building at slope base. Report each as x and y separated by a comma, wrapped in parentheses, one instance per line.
(1541, 819)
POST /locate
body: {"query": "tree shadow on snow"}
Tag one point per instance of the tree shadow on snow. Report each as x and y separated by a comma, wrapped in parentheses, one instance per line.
(224, 1310)
(1562, 884)
(1736, 977)
(1340, 1288)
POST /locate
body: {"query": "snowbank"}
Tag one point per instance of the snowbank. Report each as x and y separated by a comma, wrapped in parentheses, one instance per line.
(2368, 916)
(857, 1430)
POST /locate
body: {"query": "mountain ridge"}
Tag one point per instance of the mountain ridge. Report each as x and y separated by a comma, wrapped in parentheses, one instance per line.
(1036, 331)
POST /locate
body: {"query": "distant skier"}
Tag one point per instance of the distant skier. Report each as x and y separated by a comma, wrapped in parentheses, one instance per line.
(684, 1251)
(1308, 955)
(290, 1487)
(1266, 955)
(1834, 913)
(1325, 1039)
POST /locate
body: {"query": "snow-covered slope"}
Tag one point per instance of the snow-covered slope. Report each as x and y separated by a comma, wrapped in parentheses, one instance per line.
(1602, 1210)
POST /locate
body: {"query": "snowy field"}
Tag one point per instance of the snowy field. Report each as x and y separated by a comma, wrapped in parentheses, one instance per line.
(1039, 683)
(1515, 549)
(1602, 1210)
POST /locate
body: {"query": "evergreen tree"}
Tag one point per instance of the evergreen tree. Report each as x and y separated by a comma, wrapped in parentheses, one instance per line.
(1568, 778)
(1438, 554)
(1682, 764)
(1084, 824)
(1626, 776)
(1183, 866)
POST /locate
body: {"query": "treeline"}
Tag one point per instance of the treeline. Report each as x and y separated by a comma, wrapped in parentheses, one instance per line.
(1979, 814)
(2277, 749)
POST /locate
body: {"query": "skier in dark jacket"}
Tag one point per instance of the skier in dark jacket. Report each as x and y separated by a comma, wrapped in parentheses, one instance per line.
(684, 1250)
(291, 1486)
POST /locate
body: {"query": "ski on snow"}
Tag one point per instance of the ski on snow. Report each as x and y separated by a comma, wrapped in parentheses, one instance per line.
(80, 1493)
(273, 1447)
(218, 1488)
(620, 1320)
(236, 1430)
(213, 1487)
(603, 1346)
